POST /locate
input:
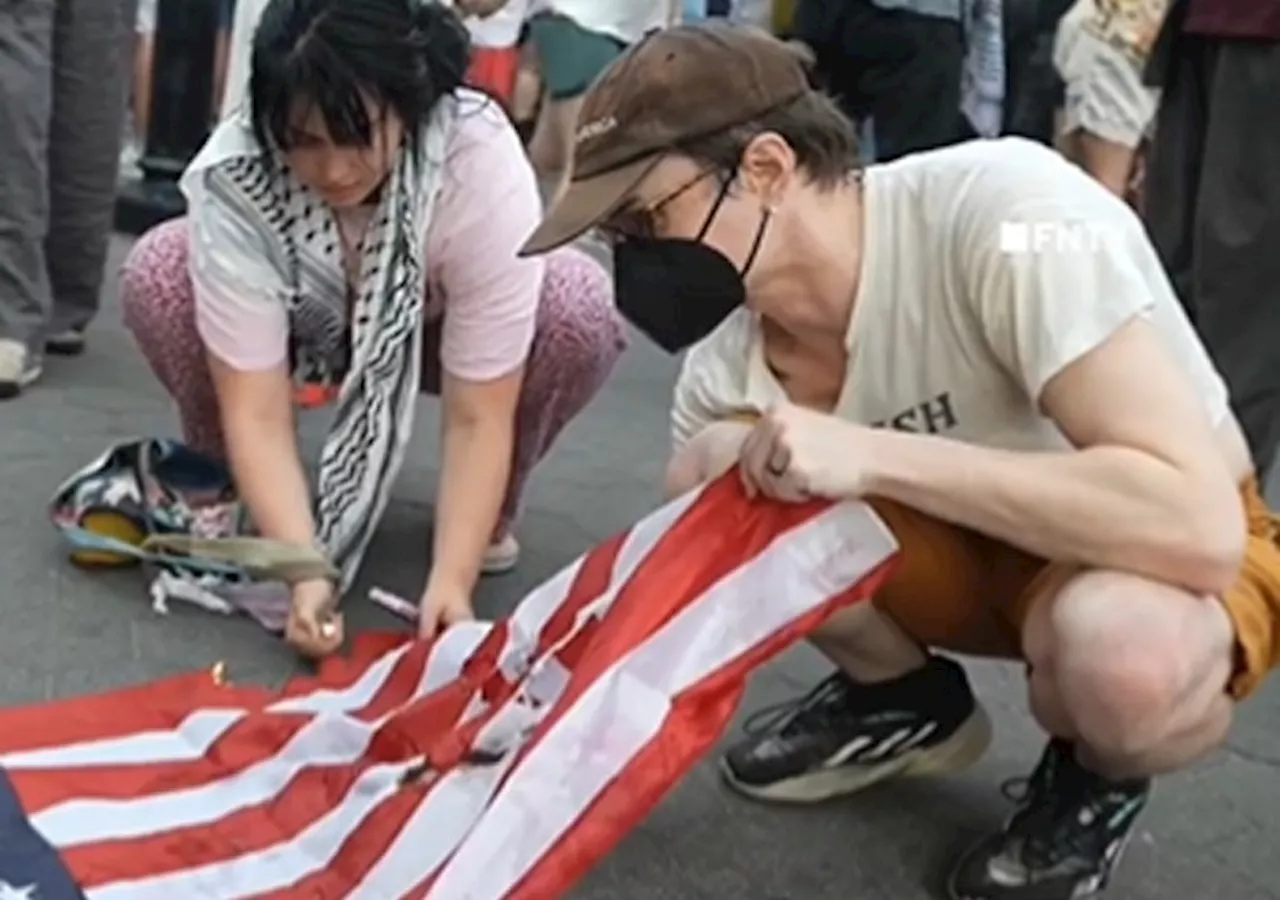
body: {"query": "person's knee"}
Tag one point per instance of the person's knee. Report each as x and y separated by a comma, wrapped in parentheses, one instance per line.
(1131, 660)
(154, 268)
(580, 332)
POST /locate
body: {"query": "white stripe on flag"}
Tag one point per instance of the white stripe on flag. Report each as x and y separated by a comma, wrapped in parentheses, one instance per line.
(273, 868)
(190, 740)
(625, 709)
(500, 840)
(324, 741)
(327, 740)
(199, 731)
(411, 859)
(441, 821)
(534, 612)
(333, 740)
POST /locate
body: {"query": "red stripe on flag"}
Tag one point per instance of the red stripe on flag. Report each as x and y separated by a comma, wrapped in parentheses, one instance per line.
(591, 580)
(162, 705)
(594, 577)
(311, 794)
(358, 854)
(728, 533)
(256, 738)
(672, 578)
(366, 847)
(421, 727)
(157, 706)
(337, 673)
(692, 729)
(675, 575)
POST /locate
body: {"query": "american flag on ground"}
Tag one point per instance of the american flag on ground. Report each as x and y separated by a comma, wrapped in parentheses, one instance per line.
(500, 761)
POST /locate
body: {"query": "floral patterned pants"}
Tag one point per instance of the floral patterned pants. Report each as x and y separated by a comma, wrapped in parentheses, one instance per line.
(578, 340)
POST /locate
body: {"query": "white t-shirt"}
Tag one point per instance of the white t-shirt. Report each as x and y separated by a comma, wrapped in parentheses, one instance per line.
(626, 20)
(499, 31)
(988, 268)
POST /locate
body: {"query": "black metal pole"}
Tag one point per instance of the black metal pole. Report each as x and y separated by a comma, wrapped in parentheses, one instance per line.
(181, 112)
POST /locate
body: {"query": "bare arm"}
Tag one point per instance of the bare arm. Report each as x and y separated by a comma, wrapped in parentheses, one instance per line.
(262, 448)
(1149, 491)
(490, 201)
(709, 454)
(710, 420)
(479, 434)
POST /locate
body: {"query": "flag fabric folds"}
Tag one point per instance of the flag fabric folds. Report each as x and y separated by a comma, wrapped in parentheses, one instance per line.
(499, 761)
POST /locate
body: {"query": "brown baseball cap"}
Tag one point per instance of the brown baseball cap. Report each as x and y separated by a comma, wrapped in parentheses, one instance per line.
(674, 86)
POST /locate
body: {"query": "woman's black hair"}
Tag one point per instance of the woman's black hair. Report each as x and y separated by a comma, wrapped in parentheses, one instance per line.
(338, 55)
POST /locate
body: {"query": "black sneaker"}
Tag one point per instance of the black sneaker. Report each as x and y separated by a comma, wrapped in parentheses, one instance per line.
(842, 736)
(65, 343)
(1061, 843)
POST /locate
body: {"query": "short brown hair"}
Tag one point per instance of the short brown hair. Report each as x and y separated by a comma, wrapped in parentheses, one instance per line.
(825, 141)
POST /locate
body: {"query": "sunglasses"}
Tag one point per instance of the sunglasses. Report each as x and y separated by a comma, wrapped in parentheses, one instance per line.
(637, 221)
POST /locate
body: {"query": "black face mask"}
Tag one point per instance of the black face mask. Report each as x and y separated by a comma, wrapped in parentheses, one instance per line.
(677, 290)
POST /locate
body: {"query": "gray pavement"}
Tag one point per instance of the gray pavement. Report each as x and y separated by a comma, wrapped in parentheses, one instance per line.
(1209, 833)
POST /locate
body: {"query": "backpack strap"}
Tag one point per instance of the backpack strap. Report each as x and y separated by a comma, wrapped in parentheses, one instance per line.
(261, 558)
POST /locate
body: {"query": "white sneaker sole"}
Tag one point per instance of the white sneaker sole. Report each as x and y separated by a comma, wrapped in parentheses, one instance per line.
(499, 560)
(955, 754)
(10, 388)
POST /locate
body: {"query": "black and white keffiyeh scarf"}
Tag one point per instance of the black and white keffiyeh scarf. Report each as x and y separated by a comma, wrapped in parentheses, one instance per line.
(368, 340)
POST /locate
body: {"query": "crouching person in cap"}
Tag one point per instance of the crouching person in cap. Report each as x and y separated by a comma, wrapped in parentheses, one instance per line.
(979, 342)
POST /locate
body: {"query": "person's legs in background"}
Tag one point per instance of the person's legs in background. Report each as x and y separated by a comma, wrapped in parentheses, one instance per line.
(494, 70)
(899, 68)
(569, 59)
(1033, 88)
(90, 83)
(222, 54)
(144, 56)
(62, 96)
(526, 92)
(26, 105)
(1107, 110)
(495, 50)
(144, 53)
(1213, 210)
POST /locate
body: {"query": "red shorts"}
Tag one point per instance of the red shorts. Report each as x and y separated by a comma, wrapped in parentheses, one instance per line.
(493, 70)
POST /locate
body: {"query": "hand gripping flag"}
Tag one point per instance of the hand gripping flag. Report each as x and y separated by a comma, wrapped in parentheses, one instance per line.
(499, 761)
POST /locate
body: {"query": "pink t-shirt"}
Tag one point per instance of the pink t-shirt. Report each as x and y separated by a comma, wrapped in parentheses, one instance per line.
(488, 296)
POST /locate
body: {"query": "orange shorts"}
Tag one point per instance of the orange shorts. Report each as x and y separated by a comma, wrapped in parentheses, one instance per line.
(962, 591)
